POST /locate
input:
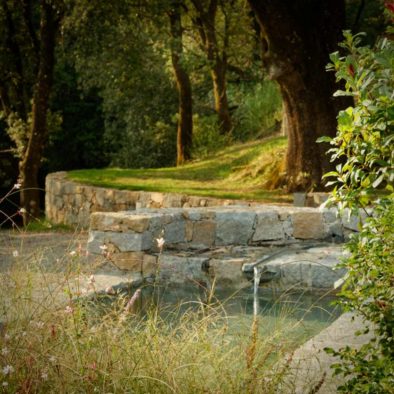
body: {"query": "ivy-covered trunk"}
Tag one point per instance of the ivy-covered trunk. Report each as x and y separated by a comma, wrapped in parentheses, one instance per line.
(185, 111)
(298, 37)
(31, 160)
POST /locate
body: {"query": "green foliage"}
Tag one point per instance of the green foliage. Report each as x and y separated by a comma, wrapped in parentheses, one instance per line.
(369, 290)
(259, 112)
(152, 146)
(364, 180)
(82, 127)
(206, 136)
(134, 83)
(18, 129)
(366, 131)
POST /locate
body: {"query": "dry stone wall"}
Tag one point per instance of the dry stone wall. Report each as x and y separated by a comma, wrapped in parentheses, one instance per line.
(196, 228)
(71, 203)
(194, 235)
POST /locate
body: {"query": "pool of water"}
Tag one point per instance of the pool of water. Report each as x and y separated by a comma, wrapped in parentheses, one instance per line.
(291, 317)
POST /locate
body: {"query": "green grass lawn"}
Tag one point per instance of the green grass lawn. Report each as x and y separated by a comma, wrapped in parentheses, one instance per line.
(239, 171)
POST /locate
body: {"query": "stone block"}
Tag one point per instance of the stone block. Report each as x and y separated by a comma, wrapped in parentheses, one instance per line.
(228, 271)
(130, 261)
(180, 269)
(194, 201)
(299, 199)
(308, 225)
(149, 265)
(68, 188)
(288, 228)
(121, 197)
(78, 200)
(234, 227)
(142, 201)
(324, 277)
(175, 232)
(352, 222)
(204, 233)
(125, 242)
(203, 203)
(119, 222)
(333, 225)
(189, 230)
(137, 223)
(268, 227)
(157, 198)
(194, 214)
(173, 200)
(100, 197)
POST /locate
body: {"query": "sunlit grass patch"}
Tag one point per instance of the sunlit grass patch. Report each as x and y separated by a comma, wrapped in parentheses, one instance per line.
(241, 171)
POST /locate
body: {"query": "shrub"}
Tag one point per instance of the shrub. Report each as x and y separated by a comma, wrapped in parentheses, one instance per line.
(206, 136)
(363, 180)
(259, 113)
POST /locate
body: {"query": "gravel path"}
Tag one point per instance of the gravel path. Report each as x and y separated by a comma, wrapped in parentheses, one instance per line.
(29, 246)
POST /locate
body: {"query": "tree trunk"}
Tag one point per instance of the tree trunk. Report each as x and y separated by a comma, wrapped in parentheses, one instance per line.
(31, 161)
(185, 121)
(298, 36)
(220, 94)
(205, 22)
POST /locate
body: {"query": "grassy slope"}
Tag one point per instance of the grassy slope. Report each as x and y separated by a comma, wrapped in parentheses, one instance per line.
(237, 172)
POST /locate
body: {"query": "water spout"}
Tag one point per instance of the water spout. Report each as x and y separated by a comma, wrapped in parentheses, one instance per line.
(256, 282)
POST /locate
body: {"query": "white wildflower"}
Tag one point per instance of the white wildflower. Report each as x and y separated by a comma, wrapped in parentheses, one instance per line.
(73, 253)
(160, 242)
(15, 253)
(103, 247)
(7, 337)
(52, 359)
(44, 375)
(5, 384)
(91, 280)
(8, 369)
(17, 185)
(38, 324)
(22, 211)
(69, 309)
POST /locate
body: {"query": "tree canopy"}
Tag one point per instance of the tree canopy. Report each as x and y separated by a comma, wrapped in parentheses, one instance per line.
(154, 83)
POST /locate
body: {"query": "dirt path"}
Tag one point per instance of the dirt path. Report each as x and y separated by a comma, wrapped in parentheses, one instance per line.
(44, 247)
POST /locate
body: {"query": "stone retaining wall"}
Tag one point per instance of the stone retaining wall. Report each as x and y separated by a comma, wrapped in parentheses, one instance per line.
(71, 203)
(196, 228)
(129, 239)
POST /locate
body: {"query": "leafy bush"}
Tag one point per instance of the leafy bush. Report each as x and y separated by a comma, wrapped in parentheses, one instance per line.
(206, 136)
(365, 131)
(259, 112)
(364, 180)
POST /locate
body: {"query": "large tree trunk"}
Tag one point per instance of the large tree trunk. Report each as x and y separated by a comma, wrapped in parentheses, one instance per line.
(298, 36)
(31, 161)
(185, 121)
(205, 23)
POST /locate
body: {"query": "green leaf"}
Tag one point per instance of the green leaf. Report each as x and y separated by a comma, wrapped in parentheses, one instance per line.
(378, 181)
(324, 139)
